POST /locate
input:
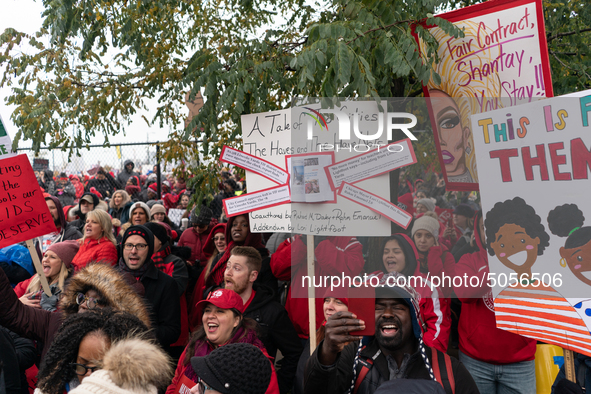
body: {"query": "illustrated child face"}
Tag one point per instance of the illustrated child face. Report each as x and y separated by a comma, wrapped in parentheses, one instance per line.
(515, 248)
(578, 261)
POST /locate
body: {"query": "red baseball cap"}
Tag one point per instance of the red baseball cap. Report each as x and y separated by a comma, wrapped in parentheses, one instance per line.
(223, 299)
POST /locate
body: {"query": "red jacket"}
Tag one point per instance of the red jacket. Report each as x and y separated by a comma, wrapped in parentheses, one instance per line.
(440, 263)
(334, 256)
(479, 336)
(21, 288)
(196, 242)
(101, 250)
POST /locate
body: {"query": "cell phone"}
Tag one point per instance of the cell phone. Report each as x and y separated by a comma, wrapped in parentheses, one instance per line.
(362, 302)
(450, 222)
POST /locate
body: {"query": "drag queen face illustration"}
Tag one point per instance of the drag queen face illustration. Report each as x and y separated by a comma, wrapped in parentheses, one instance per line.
(454, 98)
(454, 137)
(515, 235)
(567, 221)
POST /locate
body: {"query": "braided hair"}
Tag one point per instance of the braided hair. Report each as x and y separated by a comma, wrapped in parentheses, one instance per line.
(55, 371)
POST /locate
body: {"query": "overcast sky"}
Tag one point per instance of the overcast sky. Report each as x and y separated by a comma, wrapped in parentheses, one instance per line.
(25, 16)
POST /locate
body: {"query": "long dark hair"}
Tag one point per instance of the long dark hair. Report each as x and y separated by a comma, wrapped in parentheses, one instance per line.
(200, 338)
(407, 247)
(56, 371)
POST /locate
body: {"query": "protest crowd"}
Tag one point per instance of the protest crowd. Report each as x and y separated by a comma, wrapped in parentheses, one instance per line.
(148, 295)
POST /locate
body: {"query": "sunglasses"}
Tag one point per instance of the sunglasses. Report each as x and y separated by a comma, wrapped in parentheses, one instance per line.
(82, 369)
(91, 302)
(201, 387)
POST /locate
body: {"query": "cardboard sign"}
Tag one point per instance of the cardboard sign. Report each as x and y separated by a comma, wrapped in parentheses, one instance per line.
(254, 164)
(503, 55)
(371, 164)
(257, 200)
(376, 204)
(23, 211)
(534, 162)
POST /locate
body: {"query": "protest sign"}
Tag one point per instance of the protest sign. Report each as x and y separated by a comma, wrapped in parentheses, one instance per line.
(5, 142)
(503, 54)
(254, 164)
(23, 211)
(534, 162)
(175, 215)
(376, 204)
(274, 135)
(307, 177)
(256, 200)
(373, 163)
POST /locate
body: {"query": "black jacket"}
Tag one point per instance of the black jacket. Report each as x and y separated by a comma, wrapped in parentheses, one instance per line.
(163, 301)
(337, 378)
(276, 332)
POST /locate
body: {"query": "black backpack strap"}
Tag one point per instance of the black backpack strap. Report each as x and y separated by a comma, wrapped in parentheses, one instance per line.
(366, 365)
(443, 371)
(581, 374)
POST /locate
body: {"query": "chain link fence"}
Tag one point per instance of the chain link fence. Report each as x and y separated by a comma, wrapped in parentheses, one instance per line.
(144, 155)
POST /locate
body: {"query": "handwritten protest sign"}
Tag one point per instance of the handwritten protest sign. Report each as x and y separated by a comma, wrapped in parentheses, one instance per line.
(373, 163)
(5, 142)
(534, 162)
(376, 204)
(254, 164)
(503, 55)
(23, 211)
(257, 200)
(274, 135)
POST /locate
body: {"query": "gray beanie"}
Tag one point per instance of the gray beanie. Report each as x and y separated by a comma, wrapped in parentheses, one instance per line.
(427, 203)
(428, 223)
(140, 205)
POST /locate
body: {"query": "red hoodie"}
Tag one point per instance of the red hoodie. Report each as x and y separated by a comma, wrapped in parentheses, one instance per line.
(480, 338)
(334, 256)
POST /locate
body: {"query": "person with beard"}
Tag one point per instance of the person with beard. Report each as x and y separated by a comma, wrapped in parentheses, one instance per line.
(238, 232)
(87, 203)
(135, 251)
(65, 230)
(275, 328)
(395, 357)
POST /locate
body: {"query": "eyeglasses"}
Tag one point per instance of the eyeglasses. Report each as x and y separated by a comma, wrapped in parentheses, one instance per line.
(139, 247)
(200, 225)
(82, 369)
(202, 387)
(222, 238)
(91, 302)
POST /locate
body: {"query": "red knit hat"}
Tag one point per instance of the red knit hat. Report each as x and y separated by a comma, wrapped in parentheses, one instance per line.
(223, 299)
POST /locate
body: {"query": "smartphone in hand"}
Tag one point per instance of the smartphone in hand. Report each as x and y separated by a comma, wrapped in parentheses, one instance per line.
(362, 302)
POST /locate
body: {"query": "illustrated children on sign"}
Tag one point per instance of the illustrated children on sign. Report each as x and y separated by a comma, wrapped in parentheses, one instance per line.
(453, 99)
(567, 221)
(516, 236)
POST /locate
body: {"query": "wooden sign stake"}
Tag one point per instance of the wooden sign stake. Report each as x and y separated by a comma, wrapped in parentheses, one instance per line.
(38, 267)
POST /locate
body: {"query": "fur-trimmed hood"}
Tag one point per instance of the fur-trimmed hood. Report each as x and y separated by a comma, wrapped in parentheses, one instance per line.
(130, 366)
(112, 287)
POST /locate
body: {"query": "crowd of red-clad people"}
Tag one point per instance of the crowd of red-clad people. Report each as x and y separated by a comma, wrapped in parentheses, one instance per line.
(158, 281)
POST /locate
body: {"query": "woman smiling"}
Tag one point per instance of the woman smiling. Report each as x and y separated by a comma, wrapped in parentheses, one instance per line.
(98, 243)
(57, 268)
(223, 324)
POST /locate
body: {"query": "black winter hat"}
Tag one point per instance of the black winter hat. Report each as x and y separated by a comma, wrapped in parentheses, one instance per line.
(204, 217)
(464, 210)
(238, 368)
(143, 232)
(158, 230)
